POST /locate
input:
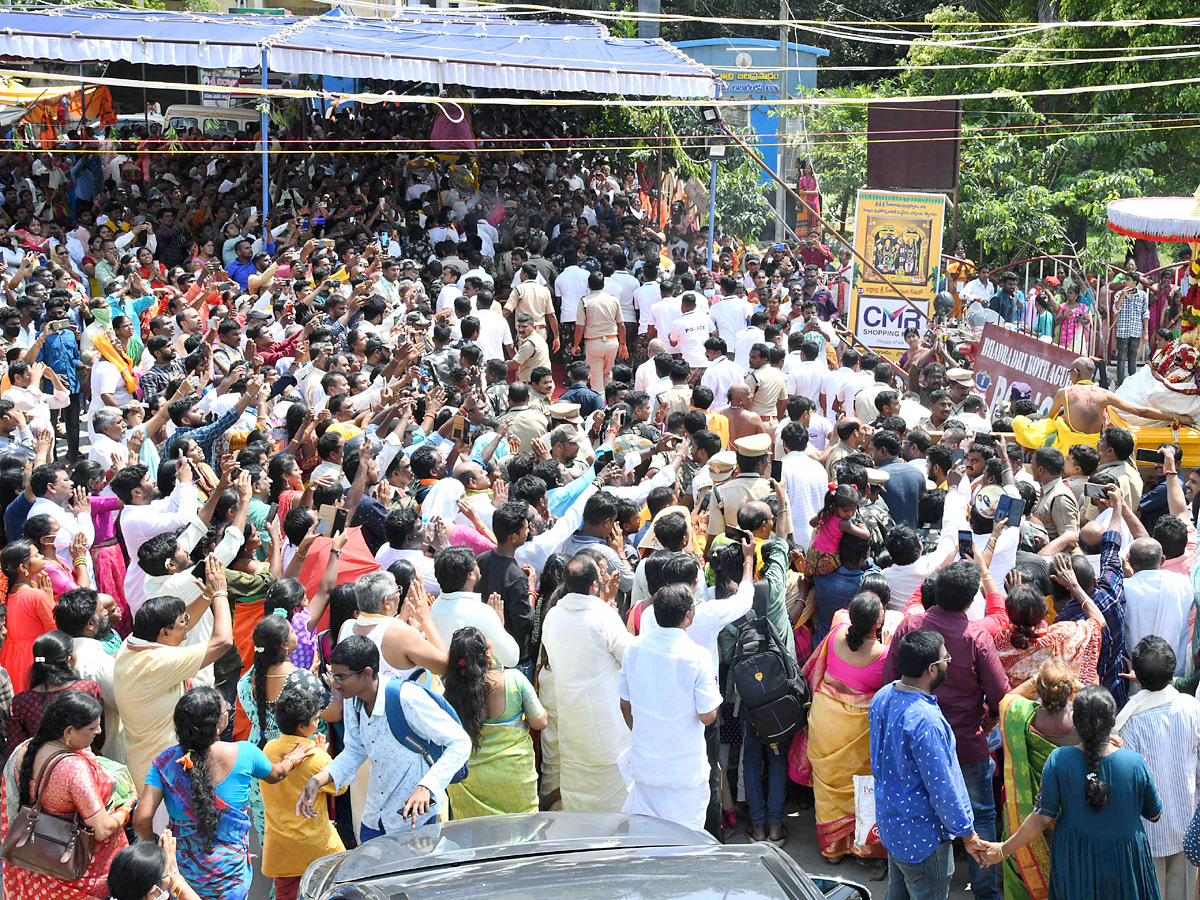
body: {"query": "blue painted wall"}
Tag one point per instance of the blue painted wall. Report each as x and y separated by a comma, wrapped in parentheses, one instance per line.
(758, 80)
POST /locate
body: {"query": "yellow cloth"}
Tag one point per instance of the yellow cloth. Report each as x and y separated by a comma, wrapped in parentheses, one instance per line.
(291, 841)
(347, 430)
(147, 684)
(1054, 433)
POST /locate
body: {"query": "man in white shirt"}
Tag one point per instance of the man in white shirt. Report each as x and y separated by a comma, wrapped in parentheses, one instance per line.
(68, 506)
(27, 395)
(585, 641)
(980, 289)
(570, 286)
(646, 296)
(668, 690)
(909, 567)
(495, 338)
(1157, 602)
(804, 480)
(665, 312)
(646, 376)
(108, 447)
(808, 377)
(107, 384)
(623, 286)
(747, 338)
(848, 381)
(459, 606)
(144, 516)
(690, 331)
(730, 313)
(722, 373)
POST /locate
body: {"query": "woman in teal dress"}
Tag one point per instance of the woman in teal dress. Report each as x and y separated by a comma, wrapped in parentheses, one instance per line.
(1089, 792)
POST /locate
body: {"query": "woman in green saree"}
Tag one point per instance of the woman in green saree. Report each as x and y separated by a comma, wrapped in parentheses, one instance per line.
(1031, 730)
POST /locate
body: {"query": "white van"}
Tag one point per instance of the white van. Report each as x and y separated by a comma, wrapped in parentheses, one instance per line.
(212, 120)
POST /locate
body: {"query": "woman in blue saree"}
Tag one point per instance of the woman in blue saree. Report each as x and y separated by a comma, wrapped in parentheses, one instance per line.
(205, 784)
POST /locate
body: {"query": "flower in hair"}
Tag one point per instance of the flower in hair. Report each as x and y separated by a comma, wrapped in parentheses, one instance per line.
(185, 761)
(833, 485)
(260, 650)
(39, 659)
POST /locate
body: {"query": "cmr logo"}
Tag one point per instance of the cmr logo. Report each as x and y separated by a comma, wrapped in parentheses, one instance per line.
(900, 318)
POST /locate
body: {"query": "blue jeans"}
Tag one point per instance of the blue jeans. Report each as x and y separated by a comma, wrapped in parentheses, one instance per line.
(367, 833)
(769, 809)
(978, 776)
(927, 880)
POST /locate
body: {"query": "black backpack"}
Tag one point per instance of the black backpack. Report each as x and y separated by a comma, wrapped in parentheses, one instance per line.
(773, 696)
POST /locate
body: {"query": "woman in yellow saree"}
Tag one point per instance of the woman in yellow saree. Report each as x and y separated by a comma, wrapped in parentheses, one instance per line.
(844, 673)
(1031, 731)
(497, 707)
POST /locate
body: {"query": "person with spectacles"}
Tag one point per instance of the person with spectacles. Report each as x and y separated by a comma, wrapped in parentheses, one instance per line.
(921, 799)
(406, 788)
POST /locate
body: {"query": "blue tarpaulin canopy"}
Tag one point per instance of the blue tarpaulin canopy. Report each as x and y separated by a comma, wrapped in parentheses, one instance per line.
(424, 45)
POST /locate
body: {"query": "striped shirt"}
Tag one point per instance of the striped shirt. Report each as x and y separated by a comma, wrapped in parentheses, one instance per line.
(1134, 309)
(1168, 737)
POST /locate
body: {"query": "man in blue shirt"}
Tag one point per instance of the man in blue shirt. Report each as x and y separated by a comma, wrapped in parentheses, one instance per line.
(579, 392)
(1008, 302)
(902, 491)
(59, 349)
(921, 799)
(243, 266)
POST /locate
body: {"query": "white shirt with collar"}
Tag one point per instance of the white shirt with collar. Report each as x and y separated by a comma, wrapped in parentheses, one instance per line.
(670, 682)
(397, 771)
(140, 523)
(459, 609)
(721, 374)
(806, 483)
(1159, 603)
(710, 617)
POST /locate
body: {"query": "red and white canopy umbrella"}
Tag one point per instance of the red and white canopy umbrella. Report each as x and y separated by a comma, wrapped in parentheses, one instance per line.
(1157, 218)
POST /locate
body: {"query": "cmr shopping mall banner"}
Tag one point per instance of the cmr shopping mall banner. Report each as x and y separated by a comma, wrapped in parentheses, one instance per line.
(901, 234)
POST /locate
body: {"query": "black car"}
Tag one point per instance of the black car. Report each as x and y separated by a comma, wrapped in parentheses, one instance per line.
(564, 856)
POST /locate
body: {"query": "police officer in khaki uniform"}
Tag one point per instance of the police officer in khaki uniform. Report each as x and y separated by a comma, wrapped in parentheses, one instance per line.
(751, 483)
(534, 299)
(602, 329)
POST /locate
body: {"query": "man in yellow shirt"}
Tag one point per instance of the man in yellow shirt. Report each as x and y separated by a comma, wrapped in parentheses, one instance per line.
(152, 670)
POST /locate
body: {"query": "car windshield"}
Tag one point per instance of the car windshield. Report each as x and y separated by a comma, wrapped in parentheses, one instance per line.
(659, 876)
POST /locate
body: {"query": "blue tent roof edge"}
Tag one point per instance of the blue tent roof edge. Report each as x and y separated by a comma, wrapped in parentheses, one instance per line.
(753, 42)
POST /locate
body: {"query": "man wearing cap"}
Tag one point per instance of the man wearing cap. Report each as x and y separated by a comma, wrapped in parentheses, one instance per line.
(533, 299)
(959, 382)
(717, 470)
(565, 442)
(751, 483)
(601, 329)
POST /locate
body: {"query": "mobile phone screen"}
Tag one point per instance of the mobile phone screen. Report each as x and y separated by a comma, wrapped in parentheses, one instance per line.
(1095, 491)
(966, 544)
(1148, 456)
(777, 469)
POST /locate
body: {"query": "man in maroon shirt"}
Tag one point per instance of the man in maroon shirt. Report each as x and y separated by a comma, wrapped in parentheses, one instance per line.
(970, 694)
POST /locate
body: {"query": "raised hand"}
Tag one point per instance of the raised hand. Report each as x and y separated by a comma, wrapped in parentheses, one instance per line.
(214, 576)
(497, 605)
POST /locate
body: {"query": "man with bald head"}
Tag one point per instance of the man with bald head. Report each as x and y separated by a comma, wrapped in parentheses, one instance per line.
(1157, 602)
(743, 422)
(646, 374)
(1082, 404)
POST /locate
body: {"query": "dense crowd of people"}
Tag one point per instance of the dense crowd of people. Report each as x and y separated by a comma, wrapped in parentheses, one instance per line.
(467, 488)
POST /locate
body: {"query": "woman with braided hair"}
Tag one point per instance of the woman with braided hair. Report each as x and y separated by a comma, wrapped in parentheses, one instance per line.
(272, 671)
(205, 783)
(1095, 795)
(497, 707)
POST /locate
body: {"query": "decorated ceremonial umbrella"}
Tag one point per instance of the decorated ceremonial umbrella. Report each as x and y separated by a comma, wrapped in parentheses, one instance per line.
(1157, 218)
(1176, 219)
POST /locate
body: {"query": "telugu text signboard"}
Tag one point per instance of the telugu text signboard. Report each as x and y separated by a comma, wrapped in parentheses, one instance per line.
(1003, 358)
(901, 235)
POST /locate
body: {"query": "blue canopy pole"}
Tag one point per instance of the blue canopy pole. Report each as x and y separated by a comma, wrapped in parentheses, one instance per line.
(266, 182)
(712, 212)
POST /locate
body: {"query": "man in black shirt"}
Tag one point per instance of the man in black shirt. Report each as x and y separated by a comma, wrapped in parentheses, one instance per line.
(499, 573)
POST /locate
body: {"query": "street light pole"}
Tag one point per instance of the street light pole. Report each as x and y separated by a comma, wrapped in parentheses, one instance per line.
(712, 211)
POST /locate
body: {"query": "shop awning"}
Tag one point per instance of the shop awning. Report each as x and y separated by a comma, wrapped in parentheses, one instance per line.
(425, 45)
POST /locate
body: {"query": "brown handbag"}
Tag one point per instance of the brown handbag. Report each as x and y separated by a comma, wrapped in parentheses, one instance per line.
(38, 841)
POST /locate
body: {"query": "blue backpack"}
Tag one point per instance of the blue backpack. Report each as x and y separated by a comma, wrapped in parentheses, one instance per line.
(393, 708)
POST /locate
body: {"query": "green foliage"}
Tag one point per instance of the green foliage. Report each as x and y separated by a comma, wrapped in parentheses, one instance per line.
(741, 205)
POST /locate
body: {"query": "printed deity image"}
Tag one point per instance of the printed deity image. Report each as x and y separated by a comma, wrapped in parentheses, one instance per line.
(899, 248)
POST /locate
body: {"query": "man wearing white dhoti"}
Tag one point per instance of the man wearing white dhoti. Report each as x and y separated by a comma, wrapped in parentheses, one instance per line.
(585, 641)
(668, 692)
